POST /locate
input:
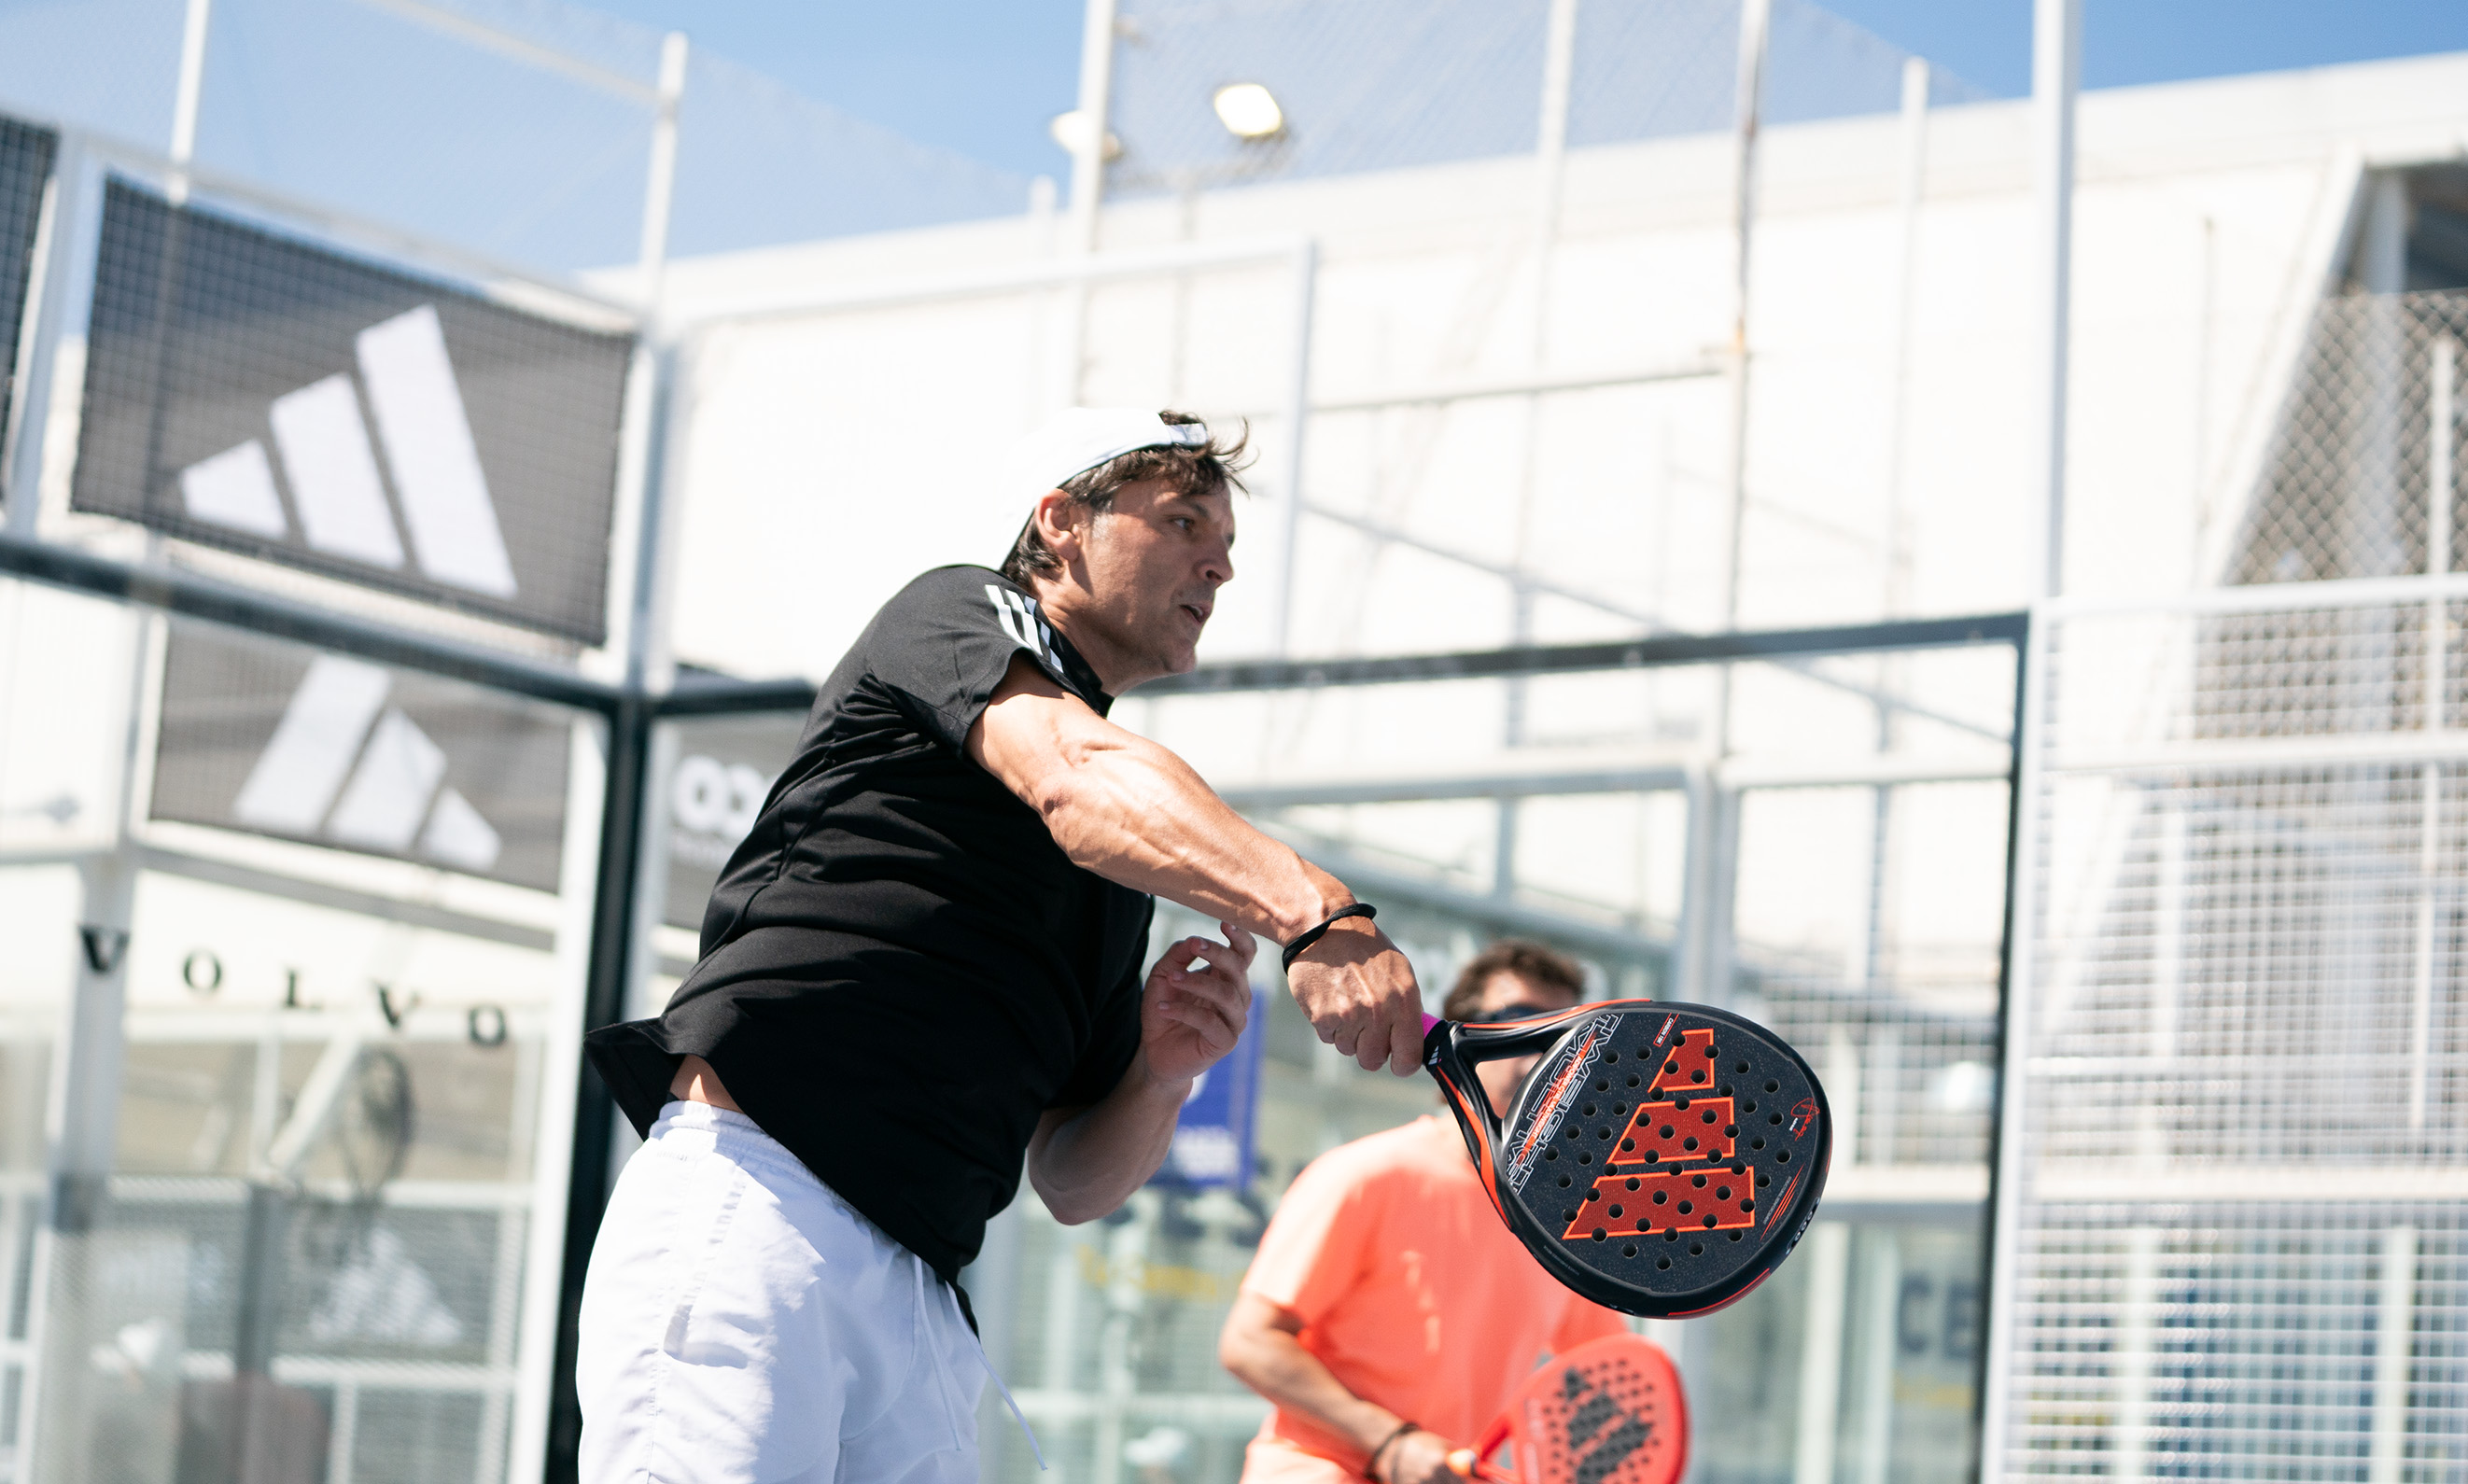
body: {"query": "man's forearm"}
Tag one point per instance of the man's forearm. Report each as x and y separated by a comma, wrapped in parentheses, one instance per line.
(1085, 1165)
(1275, 1363)
(1136, 815)
(1123, 806)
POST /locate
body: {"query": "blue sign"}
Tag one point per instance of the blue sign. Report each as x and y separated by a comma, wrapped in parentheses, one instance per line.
(1212, 1138)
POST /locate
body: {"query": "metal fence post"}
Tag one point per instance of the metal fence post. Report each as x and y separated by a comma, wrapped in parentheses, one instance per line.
(613, 930)
(1297, 415)
(2056, 68)
(191, 97)
(57, 299)
(2000, 1242)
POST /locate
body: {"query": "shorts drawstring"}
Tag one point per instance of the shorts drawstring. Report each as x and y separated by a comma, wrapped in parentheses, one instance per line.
(992, 1374)
(927, 1338)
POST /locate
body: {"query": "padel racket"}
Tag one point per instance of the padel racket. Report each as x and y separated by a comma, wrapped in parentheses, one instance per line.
(1608, 1412)
(1660, 1159)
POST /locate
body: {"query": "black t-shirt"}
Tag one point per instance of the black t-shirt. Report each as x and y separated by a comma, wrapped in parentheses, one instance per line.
(901, 969)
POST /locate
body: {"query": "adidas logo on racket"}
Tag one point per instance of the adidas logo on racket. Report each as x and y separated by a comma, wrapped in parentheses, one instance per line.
(1660, 1159)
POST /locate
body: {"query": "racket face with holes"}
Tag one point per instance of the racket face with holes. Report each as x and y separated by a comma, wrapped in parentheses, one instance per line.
(1607, 1412)
(1660, 1159)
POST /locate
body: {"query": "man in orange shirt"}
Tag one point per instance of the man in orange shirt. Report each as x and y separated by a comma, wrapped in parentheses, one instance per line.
(1388, 1314)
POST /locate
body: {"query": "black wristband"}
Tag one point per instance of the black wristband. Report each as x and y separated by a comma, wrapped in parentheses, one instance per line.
(1294, 949)
(1371, 1470)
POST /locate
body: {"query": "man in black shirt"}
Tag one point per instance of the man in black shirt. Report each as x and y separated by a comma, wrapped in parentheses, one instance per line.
(923, 965)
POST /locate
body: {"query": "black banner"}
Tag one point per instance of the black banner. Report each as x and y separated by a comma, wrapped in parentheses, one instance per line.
(724, 771)
(263, 395)
(26, 155)
(277, 739)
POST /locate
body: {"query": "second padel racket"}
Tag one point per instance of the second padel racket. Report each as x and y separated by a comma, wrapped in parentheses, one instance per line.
(1608, 1412)
(1661, 1159)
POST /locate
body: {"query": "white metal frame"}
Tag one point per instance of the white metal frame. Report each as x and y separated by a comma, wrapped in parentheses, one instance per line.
(2023, 1180)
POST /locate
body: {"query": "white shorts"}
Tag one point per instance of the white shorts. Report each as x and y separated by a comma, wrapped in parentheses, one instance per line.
(742, 1324)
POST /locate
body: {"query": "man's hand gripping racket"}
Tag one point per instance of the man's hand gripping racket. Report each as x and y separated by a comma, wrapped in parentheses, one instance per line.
(1660, 1159)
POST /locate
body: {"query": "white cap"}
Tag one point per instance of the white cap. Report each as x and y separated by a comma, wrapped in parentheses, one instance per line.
(1078, 438)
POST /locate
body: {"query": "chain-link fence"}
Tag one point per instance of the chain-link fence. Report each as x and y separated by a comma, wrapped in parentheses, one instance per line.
(2346, 491)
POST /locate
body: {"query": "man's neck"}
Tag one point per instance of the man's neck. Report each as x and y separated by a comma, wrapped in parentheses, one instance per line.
(1060, 604)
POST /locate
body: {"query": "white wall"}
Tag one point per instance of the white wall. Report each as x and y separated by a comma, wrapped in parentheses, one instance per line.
(825, 457)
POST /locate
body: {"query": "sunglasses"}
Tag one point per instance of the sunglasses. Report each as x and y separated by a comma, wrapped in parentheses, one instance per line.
(1504, 1014)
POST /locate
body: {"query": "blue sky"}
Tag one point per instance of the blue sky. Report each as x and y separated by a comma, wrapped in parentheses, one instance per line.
(982, 76)
(2129, 41)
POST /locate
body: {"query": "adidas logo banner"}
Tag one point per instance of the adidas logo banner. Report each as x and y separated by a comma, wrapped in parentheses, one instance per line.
(270, 396)
(723, 772)
(24, 167)
(277, 739)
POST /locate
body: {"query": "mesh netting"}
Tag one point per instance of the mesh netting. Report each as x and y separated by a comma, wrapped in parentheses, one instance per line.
(1910, 1081)
(758, 164)
(265, 737)
(519, 129)
(2346, 491)
(395, 1341)
(2254, 991)
(1384, 85)
(522, 128)
(221, 355)
(25, 169)
(2238, 1246)
(2299, 674)
(2256, 1342)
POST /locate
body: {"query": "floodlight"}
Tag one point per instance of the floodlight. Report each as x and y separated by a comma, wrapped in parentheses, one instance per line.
(1250, 110)
(1070, 130)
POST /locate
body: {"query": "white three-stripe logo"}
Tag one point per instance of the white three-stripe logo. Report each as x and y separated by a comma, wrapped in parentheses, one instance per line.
(1019, 618)
(331, 467)
(305, 779)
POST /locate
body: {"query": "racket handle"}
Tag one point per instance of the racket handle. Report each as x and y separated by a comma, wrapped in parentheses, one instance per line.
(1429, 1021)
(1465, 1465)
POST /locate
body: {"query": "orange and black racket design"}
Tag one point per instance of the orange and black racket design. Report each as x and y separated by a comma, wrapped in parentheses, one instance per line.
(1608, 1412)
(1660, 1159)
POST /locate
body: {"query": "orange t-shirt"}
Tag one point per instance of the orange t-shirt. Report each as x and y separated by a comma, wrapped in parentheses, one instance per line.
(1411, 1291)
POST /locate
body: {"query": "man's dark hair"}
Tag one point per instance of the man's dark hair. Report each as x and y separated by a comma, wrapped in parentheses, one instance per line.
(1531, 962)
(1210, 469)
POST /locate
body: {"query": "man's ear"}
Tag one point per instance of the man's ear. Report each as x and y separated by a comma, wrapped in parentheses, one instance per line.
(1053, 514)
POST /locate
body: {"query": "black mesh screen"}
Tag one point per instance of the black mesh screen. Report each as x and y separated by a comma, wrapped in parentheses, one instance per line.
(26, 155)
(282, 741)
(725, 769)
(278, 398)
